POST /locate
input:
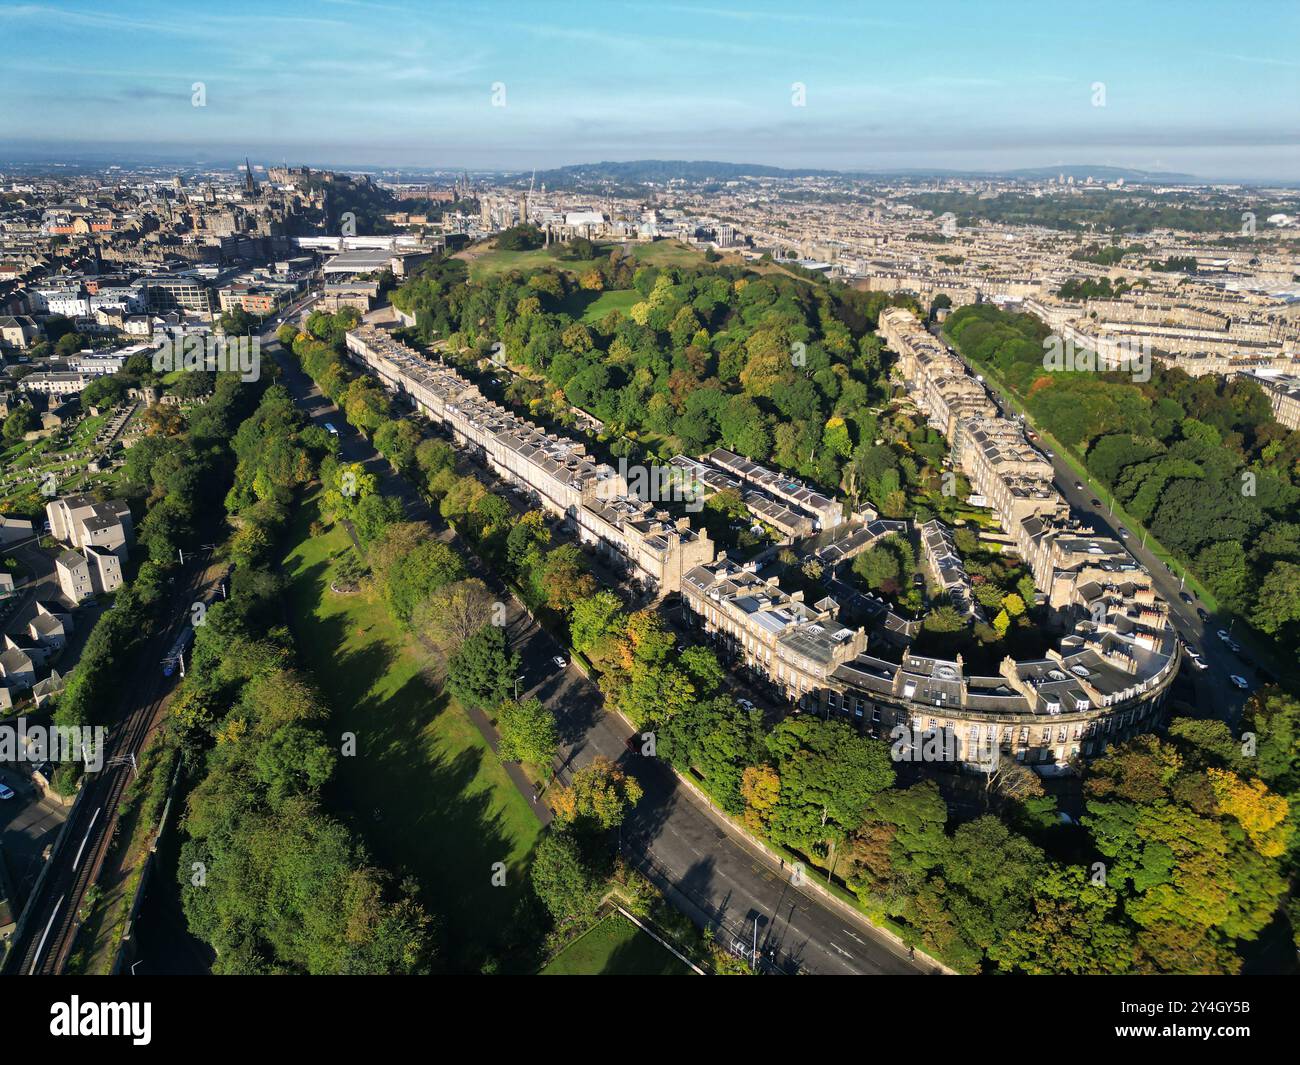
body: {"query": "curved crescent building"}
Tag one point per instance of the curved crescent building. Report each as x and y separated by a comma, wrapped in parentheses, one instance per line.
(1106, 678)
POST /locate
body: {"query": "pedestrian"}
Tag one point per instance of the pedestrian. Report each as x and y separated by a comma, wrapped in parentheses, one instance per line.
(911, 953)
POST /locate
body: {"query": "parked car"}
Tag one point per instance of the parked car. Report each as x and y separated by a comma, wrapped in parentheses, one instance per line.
(1203, 614)
(1222, 634)
(1240, 682)
(1184, 597)
(560, 663)
(745, 704)
(1123, 533)
(1234, 646)
(1078, 485)
(6, 792)
(1096, 502)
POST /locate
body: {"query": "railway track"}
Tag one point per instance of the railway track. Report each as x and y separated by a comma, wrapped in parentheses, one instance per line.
(52, 926)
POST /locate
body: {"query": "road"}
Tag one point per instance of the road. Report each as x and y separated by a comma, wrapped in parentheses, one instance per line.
(1214, 690)
(705, 867)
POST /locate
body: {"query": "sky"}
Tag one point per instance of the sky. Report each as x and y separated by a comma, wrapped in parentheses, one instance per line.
(1209, 88)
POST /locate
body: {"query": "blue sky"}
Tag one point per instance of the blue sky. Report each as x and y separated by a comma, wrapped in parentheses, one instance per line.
(1210, 88)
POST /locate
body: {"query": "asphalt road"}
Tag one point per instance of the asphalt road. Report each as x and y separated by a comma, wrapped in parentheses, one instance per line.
(1214, 690)
(709, 871)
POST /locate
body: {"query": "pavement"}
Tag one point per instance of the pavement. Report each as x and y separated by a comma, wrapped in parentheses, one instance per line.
(706, 867)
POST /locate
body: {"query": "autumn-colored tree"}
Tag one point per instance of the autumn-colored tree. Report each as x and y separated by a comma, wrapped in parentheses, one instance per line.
(1259, 812)
(598, 797)
(760, 787)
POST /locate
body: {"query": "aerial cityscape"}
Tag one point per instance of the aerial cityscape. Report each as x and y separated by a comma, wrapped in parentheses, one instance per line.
(642, 490)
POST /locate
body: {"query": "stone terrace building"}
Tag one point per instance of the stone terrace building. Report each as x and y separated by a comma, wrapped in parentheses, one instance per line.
(636, 535)
(795, 647)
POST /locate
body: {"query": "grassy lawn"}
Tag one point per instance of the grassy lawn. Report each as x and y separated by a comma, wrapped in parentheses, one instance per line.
(424, 790)
(615, 947)
(591, 307)
(484, 263)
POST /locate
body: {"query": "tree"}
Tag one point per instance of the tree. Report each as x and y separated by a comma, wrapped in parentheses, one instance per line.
(482, 671)
(596, 620)
(598, 797)
(452, 614)
(410, 566)
(1278, 604)
(21, 422)
(828, 775)
(1075, 927)
(760, 787)
(528, 732)
(563, 878)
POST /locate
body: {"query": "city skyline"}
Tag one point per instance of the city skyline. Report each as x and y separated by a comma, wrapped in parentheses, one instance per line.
(1160, 88)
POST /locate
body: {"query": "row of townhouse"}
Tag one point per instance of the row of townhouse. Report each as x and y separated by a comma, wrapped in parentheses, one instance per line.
(635, 534)
(797, 496)
(700, 481)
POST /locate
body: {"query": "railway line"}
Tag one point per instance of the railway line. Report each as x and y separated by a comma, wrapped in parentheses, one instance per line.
(49, 929)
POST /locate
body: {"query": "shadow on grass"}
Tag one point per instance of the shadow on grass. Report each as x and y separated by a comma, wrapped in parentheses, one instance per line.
(421, 790)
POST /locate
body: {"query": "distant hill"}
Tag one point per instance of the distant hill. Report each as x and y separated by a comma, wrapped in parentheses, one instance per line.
(661, 171)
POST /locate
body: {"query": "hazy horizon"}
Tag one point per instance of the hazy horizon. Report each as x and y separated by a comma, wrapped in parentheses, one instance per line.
(1160, 87)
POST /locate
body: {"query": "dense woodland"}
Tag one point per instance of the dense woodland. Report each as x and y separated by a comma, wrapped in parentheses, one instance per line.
(776, 369)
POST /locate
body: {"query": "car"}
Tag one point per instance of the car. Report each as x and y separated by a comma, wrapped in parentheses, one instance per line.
(1123, 533)
(681, 648)
(6, 792)
(744, 704)
(1240, 681)
(1234, 647)
(1184, 597)
(1222, 634)
(1050, 454)
(1203, 614)
(1078, 484)
(560, 663)
(1095, 502)
(1199, 663)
